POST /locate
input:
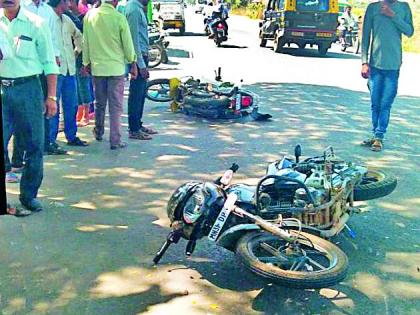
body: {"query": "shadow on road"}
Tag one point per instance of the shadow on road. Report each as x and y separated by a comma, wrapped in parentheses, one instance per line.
(312, 52)
(232, 46)
(90, 251)
(178, 53)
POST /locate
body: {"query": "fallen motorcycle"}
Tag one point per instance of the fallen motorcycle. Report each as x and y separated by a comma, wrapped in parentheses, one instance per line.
(223, 100)
(272, 226)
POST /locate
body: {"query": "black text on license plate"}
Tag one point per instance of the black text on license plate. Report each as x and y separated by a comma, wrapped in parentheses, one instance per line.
(222, 217)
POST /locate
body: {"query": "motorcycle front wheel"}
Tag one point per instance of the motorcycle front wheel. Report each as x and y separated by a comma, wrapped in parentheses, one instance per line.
(158, 90)
(310, 263)
(155, 55)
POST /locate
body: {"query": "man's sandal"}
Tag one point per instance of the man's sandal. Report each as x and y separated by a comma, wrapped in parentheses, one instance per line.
(17, 212)
(377, 145)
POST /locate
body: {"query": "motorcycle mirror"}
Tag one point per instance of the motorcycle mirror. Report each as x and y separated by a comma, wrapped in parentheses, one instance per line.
(219, 74)
(298, 152)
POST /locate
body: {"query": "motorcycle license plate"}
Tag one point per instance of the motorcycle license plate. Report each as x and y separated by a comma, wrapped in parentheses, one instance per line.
(222, 217)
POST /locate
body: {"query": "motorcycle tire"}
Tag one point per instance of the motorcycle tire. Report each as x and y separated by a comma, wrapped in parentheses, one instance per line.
(308, 279)
(158, 90)
(155, 56)
(375, 184)
(212, 108)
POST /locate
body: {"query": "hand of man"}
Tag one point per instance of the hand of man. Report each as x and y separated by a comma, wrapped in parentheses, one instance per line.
(365, 71)
(144, 73)
(50, 108)
(386, 10)
(85, 71)
(133, 71)
(1, 56)
(58, 61)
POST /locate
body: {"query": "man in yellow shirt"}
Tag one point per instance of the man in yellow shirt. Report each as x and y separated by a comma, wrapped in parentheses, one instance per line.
(22, 98)
(107, 45)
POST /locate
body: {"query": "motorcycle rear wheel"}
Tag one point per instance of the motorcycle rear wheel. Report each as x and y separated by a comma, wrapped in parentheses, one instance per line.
(266, 255)
(375, 184)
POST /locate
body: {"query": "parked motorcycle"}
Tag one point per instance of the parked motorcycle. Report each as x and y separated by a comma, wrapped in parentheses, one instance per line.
(350, 39)
(158, 47)
(272, 227)
(220, 100)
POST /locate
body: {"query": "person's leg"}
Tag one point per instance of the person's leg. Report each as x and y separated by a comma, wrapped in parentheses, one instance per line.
(390, 88)
(29, 120)
(18, 151)
(101, 98)
(8, 125)
(55, 121)
(134, 100)
(116, 100)
(69, 101)
(376, 84)
(142, 92)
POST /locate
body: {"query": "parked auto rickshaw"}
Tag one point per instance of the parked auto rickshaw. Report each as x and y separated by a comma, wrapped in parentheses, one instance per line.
(301, 22)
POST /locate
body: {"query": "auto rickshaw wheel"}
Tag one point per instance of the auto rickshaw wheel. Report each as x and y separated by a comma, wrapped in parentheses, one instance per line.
(322, 49)
(278, 44)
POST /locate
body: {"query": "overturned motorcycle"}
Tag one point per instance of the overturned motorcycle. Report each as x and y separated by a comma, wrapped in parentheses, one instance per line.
(223, 100)
(279, 227)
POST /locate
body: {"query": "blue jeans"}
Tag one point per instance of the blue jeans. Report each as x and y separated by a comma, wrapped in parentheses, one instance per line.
(67, 92)
(136, 99)
(23, 107)
(383, 86)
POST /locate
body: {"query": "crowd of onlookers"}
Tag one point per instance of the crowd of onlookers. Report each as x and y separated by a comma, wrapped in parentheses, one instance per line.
(58, 58)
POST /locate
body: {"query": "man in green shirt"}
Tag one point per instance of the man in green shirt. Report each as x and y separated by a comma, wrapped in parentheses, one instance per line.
(21, 93)
(107, 44)
(383, 25)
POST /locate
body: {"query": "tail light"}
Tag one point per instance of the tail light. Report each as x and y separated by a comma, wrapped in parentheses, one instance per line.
(246, 101)
(220, 26)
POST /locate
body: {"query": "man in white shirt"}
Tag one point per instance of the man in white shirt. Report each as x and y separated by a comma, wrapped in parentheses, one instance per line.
(68, 35)
(5, 50)
(42, 9)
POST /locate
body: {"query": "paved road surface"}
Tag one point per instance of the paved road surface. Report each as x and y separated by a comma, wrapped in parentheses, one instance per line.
(90, 251)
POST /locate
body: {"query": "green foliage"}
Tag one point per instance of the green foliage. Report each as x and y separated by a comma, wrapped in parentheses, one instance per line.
(252, 10)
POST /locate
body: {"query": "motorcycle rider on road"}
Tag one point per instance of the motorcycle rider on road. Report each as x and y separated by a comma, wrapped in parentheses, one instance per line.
(219, 13)
(348, 22)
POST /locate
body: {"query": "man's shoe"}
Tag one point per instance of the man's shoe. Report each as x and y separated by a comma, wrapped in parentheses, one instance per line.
(120, 145)
(367, 142)
(32, 205)
(54, 149)
(12, 178)
(148, 130)
(377, 145)
(77, 142)
(139, 135)
(95, 134)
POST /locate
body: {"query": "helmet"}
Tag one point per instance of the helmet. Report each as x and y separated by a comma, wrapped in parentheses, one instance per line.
(177, 201)
(197, 206)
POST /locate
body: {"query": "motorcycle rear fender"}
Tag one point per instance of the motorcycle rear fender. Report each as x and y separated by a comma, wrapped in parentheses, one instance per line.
(231, 236)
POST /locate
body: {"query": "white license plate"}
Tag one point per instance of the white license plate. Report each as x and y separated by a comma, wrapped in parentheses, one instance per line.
(222, 217)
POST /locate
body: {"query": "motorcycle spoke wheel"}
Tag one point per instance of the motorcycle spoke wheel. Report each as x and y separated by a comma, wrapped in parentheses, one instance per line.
(158, 90)
(310, 262)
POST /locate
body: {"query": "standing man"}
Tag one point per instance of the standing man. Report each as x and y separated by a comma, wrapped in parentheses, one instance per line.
(42, 9)
(67, 34)
(107, 45)
(21, 92)
(135, 12)
(383, 25)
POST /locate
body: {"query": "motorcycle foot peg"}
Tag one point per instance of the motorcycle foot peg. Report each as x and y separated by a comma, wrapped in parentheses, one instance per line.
(190, 248)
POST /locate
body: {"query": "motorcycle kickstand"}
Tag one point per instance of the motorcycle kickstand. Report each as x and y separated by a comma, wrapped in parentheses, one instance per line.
(173, 237)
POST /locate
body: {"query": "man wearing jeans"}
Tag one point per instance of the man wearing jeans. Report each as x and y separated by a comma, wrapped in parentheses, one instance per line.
(383, 25)
(107, 44)
(68, 35)
(137, 20)
(21, 93)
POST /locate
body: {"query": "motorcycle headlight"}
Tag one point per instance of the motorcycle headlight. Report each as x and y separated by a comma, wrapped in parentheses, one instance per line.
(193, 207)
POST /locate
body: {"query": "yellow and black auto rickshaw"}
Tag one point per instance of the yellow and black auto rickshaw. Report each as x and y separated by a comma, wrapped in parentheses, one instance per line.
(301, 22)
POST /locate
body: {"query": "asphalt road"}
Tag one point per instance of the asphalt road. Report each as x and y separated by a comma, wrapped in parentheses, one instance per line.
(90, 251)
